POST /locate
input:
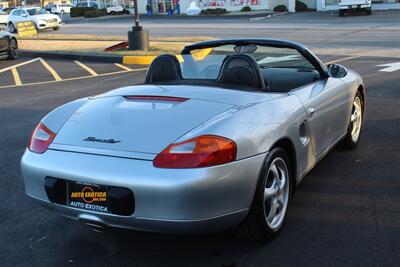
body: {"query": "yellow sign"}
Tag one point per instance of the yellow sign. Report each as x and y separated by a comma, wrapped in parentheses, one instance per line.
(26, 28)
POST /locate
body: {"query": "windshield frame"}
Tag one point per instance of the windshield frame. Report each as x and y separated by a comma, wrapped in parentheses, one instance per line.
(307, 54)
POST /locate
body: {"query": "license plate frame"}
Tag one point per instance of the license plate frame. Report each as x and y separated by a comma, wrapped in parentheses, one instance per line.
(89, 197)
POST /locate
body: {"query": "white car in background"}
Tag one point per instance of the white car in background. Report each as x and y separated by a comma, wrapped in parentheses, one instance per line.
(4, 16)
(61, 8)
(355, 6)
(41, 18)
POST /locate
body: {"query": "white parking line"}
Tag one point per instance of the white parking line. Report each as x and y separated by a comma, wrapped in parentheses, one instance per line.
(76, 78)
(342, 59)
(19, 65)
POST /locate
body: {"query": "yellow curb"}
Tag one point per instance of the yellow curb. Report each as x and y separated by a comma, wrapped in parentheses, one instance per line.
(146, 60)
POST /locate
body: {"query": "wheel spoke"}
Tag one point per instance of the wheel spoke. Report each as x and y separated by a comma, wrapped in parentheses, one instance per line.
(269, 192)
(353, 117)
(275, 172)
(273, 210)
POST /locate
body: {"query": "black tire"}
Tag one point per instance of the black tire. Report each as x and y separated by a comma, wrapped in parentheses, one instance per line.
(56, 28)
(341, 13)
(13, 49)
(11, 28)
(369, 11)
(349, 142)
(255, 227)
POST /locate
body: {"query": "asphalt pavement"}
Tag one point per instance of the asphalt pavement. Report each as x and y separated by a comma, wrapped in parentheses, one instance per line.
(346, 212)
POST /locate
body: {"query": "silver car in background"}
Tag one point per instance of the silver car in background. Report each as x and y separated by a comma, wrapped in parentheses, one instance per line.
(216, 138)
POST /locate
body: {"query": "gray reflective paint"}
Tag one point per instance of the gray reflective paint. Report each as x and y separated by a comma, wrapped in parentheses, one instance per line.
(208, 198)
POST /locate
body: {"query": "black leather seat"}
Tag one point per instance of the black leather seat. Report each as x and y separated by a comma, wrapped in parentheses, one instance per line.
(164, 68)
(241, 70)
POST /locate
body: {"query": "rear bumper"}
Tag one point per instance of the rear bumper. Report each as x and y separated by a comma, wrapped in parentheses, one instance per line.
(354, 7)
(166, 200)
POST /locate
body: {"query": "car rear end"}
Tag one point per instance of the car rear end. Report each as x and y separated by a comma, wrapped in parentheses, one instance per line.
(114, 161)
(355, 6)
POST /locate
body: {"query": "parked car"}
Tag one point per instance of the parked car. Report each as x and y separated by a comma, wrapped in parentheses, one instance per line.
(41, 18)
(4, 15)
(48, 7)
(61, 8)
(216, 142)
(8, 45)
(347, 6)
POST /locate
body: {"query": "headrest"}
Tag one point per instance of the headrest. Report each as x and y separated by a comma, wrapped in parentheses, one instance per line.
(164, 68)
(241, 69)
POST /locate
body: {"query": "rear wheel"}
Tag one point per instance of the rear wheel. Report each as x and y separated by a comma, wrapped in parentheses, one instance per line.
(13, 49)
(271, 201)
(356, 118)
(369, 11)
(341, 13)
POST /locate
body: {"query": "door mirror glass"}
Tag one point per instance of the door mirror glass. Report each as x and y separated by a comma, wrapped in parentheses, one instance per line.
(336, 71)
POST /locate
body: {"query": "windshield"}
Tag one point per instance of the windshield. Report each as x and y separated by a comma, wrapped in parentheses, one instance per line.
(36, 11)
(206, 63)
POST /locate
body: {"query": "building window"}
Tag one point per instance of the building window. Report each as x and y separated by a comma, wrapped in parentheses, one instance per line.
(331, 2)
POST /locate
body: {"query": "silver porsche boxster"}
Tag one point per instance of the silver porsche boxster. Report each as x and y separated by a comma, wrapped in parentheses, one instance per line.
(215, 138)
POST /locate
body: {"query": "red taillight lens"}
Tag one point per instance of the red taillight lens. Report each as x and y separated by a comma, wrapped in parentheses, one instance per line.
(41, 139)
(202, 151)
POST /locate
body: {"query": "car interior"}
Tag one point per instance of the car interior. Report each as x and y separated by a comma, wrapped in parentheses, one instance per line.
(238, 71)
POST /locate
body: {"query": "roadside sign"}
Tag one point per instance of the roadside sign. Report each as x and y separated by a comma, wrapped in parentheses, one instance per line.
(26, 28)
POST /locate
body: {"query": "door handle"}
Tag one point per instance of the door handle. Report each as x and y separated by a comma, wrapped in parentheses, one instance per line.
(311, 111)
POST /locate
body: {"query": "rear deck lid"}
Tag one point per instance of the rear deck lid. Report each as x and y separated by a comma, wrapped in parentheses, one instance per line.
(136, 124)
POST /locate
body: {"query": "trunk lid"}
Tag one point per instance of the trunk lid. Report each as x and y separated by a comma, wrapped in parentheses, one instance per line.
(115, 123)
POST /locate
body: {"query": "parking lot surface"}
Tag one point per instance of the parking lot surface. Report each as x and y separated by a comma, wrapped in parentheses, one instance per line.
(346, 212)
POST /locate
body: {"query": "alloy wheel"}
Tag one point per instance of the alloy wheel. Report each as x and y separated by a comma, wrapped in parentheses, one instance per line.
(356, 119)
(276, 193)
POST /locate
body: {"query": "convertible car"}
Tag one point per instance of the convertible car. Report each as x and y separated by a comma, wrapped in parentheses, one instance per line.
(8, 45)
(216, 138)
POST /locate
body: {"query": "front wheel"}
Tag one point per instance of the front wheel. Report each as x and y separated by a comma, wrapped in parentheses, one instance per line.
(11, 28)
(271, 201)
(56, 28)
(13, 49)
(356, 118)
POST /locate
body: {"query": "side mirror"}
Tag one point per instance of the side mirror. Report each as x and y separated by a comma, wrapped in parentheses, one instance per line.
(336, 71)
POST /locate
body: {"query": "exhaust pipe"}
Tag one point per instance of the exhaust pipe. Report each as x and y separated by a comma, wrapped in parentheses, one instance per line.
(94, 223)
(99, 228)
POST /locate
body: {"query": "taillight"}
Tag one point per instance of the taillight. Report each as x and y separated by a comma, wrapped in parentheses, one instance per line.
(41, 139)
(201, 151)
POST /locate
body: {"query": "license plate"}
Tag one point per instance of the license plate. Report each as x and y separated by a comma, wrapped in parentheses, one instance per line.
(88, 197)
(354, 6)
(52, 24)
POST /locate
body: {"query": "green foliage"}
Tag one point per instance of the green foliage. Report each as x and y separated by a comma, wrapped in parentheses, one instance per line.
(79, 11)
(95, 13)
(214, 11)
(280, 8)
(300, 6)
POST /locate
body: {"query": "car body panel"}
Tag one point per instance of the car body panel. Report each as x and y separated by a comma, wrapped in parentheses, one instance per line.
(310, 119)
(160, 194)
